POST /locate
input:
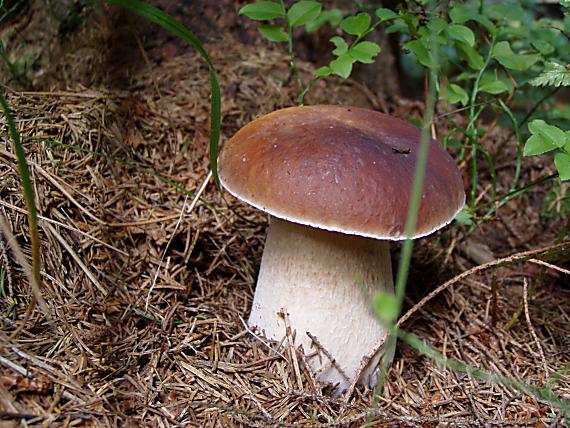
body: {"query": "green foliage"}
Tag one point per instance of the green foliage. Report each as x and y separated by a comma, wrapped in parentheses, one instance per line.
(303, 12)
(456, 94)
(348, 48)
(465, 217)
(356, 25)
(332, 16)
(490, 55)
(263, 10)
(503, 53)
(554, 74)
(549, 138)
(273, 33)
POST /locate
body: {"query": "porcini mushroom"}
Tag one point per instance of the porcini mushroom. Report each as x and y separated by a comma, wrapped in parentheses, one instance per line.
(336, 182)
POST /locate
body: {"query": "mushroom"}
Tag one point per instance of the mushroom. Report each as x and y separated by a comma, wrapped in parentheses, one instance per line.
(336, 182)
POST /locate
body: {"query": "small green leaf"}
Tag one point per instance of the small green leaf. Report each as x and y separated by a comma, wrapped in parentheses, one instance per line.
(536, 145)
(386, 307)
(562, 162)
(566, 146)
(542, 46)
(436, 25)
(464, 217)
(399, 26)
(553, 134)
(456, 94)
(385, 14)
(473, 58)
(273, 33)
(420, 51)
(356, 25)
(509, 11)
(461, 33)
(332, 16)
(342, 66)
(341, 45)
(494, 87)
(323, 71)
(503, 53)
(365, 52)
(262, 10)
(462, 13)
(493, 83)
(303, 12)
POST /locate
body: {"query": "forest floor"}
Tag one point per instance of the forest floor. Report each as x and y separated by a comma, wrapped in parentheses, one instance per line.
(148, 271)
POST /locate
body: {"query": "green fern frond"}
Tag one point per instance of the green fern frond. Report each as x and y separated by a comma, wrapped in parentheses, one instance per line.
(554, 74)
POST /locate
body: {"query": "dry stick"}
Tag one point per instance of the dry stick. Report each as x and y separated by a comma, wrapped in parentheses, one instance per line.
(7, 269)
(160, 263)
(363, 364)
(61, 94)
(180, 216)
(15, 367)
(510, 259)
(314, 384)
(21, 258)
(263, 342)
(292, 351)
(328, 355)
(531, 328)
(549, 265)
(77, 259)
(66, 226)
(53, 180)
(246, 391)
(56, 184)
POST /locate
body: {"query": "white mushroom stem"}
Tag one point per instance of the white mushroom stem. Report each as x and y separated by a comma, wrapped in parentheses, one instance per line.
(325, 282)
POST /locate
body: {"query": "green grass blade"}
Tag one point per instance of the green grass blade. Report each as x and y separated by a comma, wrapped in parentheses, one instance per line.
(545, 394)
(516, 127)
(167, 22)
(413, 210)
(29, 197)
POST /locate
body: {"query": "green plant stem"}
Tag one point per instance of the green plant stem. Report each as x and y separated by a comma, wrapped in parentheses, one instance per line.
(538, 104)
(292, 60)
(499, 202)
(306, 90)
(472, 128)
(28, 191)
(492, 171)
(516, 128)
(411, 221)
(545, 394)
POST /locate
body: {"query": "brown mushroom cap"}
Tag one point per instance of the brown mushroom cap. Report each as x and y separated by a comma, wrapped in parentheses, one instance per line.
(343, 169)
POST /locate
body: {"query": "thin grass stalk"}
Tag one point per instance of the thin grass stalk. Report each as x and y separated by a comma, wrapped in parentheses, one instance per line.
(499, 202)
(29, 198)
(128, 163)
(545, 394)
(161, 18)
(413, 209)
(472, 128)
(492, 172)
(11, 10)
(516, 128)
